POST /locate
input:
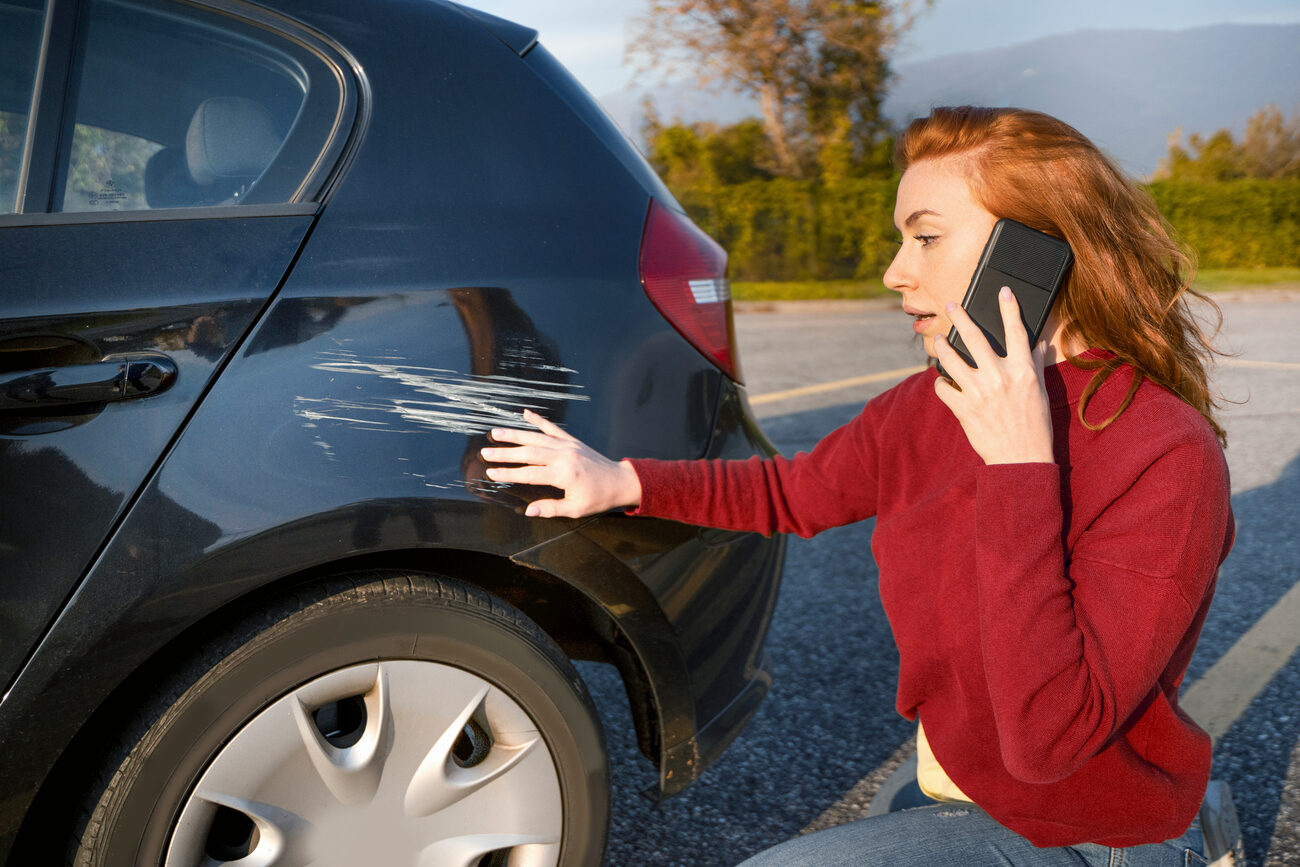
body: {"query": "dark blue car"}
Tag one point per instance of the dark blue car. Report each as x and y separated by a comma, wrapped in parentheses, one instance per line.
(269, 274)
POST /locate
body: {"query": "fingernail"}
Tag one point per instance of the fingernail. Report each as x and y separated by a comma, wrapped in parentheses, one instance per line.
(1005, 293)
(491, 472)
(950, 306)
(532, 511)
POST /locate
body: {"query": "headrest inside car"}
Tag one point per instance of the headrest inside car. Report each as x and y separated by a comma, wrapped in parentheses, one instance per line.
(230, 140)
(167, 181)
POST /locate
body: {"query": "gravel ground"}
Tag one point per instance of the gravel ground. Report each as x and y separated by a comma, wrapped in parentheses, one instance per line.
(827, 736)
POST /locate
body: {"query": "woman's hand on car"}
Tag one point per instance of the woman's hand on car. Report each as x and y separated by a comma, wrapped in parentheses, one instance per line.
(591, 482)
(1002, 405)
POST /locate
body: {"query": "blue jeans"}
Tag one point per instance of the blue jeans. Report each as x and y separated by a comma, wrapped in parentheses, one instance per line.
(904, 827)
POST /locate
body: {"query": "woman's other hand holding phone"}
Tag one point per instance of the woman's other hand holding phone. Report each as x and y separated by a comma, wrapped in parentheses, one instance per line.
(1002, 404)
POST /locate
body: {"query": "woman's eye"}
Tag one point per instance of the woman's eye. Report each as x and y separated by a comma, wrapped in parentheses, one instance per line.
(926, 239)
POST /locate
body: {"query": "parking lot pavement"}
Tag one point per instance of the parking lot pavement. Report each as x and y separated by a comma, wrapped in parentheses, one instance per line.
(827, 735)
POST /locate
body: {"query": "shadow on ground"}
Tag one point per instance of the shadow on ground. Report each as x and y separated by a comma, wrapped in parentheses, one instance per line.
(829, 720)
(1255, 756)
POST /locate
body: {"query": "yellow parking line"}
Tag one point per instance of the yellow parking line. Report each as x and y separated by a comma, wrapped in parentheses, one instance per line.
(1216, 700)
(774, 396)
(1266, 365)
(1223, 693)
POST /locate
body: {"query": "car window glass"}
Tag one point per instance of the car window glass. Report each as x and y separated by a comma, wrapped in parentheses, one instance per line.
(21, 26)
(106, 171)
(176, 107)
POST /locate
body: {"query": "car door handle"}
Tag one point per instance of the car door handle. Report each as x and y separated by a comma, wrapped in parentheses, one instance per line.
(117, 377)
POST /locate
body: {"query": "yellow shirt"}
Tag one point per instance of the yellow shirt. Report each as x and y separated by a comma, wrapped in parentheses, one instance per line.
(930, 775)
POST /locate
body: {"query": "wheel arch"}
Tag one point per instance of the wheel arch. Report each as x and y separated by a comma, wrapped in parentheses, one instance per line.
(285, 645)
(582, 628)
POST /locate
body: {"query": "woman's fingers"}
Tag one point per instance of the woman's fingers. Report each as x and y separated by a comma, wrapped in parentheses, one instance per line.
(1002, 406)
(530, 446)
(545, 433)
(549, 456)
(547, 427)
(977, 343)
(522, 437)
(948, 392)
(1039, 357)
(531, 474)
(953, 364)
(551, 509)
(1012, 325)
(518, 455)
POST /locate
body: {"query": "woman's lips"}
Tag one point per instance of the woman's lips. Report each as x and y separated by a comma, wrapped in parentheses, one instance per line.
(920, 319)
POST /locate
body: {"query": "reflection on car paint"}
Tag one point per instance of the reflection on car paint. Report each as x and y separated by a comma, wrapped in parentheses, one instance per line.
(465, 404)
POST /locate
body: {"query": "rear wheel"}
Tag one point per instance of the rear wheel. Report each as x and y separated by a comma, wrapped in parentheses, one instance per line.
(384, 719)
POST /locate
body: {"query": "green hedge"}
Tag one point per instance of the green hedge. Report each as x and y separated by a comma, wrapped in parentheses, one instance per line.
(1235, 224)
(783, 229)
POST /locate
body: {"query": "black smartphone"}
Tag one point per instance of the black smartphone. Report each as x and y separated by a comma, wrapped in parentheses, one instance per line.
(1032, 263)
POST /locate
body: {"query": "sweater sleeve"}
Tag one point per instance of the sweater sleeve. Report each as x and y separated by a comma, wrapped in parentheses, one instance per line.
(834, 484)
(1073, 646)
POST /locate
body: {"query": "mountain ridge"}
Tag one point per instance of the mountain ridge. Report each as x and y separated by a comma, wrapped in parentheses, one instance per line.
(1127, 89)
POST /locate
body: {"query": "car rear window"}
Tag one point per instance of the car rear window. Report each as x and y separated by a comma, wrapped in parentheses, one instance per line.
(179, 107)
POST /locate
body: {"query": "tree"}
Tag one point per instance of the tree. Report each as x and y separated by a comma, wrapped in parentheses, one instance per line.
(818, 67)
(1270, 148)
(1271, 145)
(705, 156)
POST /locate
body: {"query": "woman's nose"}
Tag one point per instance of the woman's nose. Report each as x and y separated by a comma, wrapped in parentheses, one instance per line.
(895, 275)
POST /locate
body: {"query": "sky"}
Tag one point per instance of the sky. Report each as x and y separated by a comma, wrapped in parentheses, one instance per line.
(588, 35)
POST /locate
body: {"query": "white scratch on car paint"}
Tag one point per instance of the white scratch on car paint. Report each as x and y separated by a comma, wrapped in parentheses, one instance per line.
(529, 359)
(471, 485)
(461, 403)
(325, 447)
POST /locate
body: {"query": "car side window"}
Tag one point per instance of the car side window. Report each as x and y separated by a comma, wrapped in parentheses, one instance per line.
(21, 26)
(179, 107)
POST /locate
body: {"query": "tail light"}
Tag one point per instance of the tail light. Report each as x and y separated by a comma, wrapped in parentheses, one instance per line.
(684, 272)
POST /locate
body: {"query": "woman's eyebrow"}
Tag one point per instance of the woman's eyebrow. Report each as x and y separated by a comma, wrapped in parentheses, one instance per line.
(916, 215)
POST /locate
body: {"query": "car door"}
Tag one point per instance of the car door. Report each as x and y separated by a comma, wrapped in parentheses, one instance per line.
(160, 167)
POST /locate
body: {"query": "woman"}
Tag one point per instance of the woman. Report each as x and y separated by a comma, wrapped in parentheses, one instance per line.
(1048, 525)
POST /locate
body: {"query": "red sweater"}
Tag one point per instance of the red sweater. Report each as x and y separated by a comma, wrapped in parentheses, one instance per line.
(1045, 614)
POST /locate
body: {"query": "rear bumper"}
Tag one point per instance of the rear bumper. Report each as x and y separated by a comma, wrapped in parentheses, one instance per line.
(715, 591)
(682, 764)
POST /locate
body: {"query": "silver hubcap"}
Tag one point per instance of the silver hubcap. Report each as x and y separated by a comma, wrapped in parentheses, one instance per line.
(393, 763)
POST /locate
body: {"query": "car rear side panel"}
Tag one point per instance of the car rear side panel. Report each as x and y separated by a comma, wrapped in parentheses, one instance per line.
(479, 256)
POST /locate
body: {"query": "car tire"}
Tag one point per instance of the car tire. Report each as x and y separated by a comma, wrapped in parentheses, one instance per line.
(380, 718)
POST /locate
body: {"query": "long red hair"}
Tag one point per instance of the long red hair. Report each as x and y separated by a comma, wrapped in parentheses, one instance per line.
(1130, 284)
